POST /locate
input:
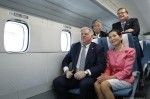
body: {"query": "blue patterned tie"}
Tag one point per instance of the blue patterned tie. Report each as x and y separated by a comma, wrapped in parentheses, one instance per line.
(123, 26)
(82, 59)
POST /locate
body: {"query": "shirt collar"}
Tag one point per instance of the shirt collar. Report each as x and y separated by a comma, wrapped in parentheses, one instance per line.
(123, 22)
(87, 46)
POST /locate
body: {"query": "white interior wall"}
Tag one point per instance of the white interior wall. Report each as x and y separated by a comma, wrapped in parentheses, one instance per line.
(27, 74)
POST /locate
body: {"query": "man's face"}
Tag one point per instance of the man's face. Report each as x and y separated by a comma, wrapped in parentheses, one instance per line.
(97, 27)
(86, 36)
(122, 15)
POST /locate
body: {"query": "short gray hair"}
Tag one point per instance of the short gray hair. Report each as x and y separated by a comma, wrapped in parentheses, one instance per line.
(90, 30)
(96, 20)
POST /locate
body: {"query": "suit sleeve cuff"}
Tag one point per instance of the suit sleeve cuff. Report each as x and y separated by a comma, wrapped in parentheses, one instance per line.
(65, 68)
(89, 72)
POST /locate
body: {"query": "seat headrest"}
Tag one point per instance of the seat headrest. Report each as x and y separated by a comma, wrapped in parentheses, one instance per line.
(95, 40)
(141, 43)
(125, 41)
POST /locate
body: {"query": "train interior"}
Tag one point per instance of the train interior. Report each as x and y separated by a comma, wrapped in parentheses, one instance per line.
(27, 72)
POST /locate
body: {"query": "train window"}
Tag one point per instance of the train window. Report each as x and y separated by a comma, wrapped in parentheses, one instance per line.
(16, 36)
(65, 40)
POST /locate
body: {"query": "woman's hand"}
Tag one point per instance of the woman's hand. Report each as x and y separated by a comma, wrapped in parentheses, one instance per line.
(103, 77)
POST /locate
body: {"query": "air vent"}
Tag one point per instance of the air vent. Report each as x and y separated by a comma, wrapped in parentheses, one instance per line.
(18, 15)
(67, 26)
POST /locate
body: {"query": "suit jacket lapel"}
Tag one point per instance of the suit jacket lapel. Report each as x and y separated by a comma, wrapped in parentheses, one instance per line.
(127, 24)
(78, 48)
(90, 51)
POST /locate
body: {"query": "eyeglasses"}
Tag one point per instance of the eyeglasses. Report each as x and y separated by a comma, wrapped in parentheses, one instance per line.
(121, 13)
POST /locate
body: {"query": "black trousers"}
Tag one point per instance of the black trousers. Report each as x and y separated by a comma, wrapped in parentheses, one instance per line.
(62, 85)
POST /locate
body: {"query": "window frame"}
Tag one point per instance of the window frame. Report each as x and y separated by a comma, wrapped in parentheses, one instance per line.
(18, 21)
(68, 44)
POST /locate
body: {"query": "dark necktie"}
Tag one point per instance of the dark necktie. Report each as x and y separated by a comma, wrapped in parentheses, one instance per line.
(123, 26)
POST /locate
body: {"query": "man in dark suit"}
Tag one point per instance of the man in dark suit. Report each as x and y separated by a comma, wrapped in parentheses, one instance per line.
(126, 25)
(81, 78)
(97, 29)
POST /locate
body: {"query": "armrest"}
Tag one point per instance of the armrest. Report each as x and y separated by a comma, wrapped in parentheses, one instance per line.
(136, 74)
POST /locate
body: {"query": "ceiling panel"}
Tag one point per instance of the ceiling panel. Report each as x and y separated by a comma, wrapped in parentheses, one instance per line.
(78, 13)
